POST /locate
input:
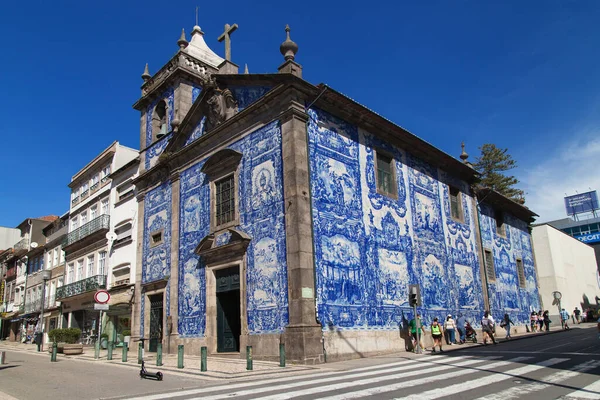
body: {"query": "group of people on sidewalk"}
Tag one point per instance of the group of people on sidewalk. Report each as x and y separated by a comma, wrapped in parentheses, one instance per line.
(447, 330)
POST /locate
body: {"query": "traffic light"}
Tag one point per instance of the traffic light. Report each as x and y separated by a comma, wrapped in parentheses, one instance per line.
(414, 295)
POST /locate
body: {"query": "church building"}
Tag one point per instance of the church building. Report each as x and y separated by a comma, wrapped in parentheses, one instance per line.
(275, 211)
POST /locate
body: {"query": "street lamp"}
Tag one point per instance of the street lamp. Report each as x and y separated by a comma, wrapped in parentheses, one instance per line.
(46, 275)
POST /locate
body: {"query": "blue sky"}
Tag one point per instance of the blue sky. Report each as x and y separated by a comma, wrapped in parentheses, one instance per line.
(522, 75)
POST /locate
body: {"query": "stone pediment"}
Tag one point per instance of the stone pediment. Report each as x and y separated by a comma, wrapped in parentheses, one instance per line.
(228, 244)
(215, 106)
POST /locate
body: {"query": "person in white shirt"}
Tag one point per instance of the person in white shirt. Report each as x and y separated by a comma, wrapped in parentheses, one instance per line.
(487, 326)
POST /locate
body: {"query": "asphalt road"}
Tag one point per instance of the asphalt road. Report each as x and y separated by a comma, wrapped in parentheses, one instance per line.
(562, 365)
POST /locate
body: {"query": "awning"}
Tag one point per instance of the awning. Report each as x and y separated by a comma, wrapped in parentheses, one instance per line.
(8, 315)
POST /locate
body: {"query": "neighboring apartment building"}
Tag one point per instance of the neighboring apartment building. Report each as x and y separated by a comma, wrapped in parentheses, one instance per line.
(566, 265)
(56, 234)
(87, 248)
(17, 263)
(8, 237)
(122, 251)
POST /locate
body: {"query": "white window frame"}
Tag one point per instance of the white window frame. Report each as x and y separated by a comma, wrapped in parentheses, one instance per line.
(93, 212)
(102, 263)
(104, 206)
(91, 270)
(80, 270)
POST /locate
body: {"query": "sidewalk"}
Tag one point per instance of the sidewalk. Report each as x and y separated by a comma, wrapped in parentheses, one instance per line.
(218, 367)
(228, 368)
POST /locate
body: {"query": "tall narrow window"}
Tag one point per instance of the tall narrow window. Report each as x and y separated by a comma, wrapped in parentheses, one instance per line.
(79, 270)
(386, 184)
(93, 212)
(500, 228)
(104, 206)
(225, 200)
(521, 273)
(56, 252)
(102, 263)
(71, 275)
(83, 217)
(49, 254)
(455, 203)
(90, 266)
(489, 266)
(74, 223)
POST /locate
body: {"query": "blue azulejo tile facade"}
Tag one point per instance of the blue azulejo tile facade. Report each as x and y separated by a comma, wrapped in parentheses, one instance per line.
(261, 215)
(156, 259)
(369, 247)
(506, 294)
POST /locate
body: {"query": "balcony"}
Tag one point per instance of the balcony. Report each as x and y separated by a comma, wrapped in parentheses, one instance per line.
(75, 201)
(97, 225)
(84, 194)
(92, 283)
(22, 246)
(94, 187)
(33, 306)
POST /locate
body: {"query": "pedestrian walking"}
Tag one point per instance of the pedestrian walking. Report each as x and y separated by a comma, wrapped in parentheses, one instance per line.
(577, 315)
(540, 321)
(487, 326)
(546, 320)
(450, 327)
(506, 323)
(436, 334)
(533, 318)
(413, 332)
(564, 319)
(461, 322)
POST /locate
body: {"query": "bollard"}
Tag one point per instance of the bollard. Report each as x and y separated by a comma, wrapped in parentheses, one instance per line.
(97, 350)
(110, 351)
(249, 358)
(180, 356)
(281, 355)
(2, 357)
(159, 355)
(54, 351)
(140, 352)
(203, 358)
(124, 357)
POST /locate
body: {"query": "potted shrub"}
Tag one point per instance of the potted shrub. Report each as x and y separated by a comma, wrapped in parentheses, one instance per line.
(57, 336)
(72, 336)
(126, 336)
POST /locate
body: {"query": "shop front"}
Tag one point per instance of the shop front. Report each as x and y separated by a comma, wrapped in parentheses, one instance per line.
(117, 322)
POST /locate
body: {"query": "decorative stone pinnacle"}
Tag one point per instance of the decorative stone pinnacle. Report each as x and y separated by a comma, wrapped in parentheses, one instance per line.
(246, 69)
(182, 42)
(146, 75)
(196, 30)
(288, 48)
(463, 155)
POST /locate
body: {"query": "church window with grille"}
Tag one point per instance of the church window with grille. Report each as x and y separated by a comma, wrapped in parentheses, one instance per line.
(489, 266)
(225, 200)
(455, 203)
(521, 273)
(386, 178)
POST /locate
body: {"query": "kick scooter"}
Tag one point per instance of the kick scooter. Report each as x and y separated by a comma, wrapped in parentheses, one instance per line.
(145, 374)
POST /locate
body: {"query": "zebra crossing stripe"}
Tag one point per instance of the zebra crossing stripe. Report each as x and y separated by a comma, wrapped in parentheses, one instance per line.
(341, 374)
(421, 381)
(589, 392)
(485, 381)
(547, 381)
(349, 381)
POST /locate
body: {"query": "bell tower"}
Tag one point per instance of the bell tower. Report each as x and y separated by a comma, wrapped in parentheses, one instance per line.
(168, 94)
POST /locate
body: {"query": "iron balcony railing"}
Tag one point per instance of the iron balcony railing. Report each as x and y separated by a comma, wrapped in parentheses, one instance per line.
(84, 194)
(94, 187)
(82, 286)
(104, 179)
(102, 222)
(50, 302)
(22, 244)
(75, 200)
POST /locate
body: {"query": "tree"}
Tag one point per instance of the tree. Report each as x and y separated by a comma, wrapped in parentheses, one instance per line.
(492, 165)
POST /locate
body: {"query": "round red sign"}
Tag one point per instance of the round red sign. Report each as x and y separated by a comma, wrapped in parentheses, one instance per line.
(102, 297)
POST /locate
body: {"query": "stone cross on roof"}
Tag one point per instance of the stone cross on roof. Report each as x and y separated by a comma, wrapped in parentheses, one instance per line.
(227, 37)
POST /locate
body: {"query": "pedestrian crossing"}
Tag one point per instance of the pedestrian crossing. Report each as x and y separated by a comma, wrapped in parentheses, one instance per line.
(431, 377)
